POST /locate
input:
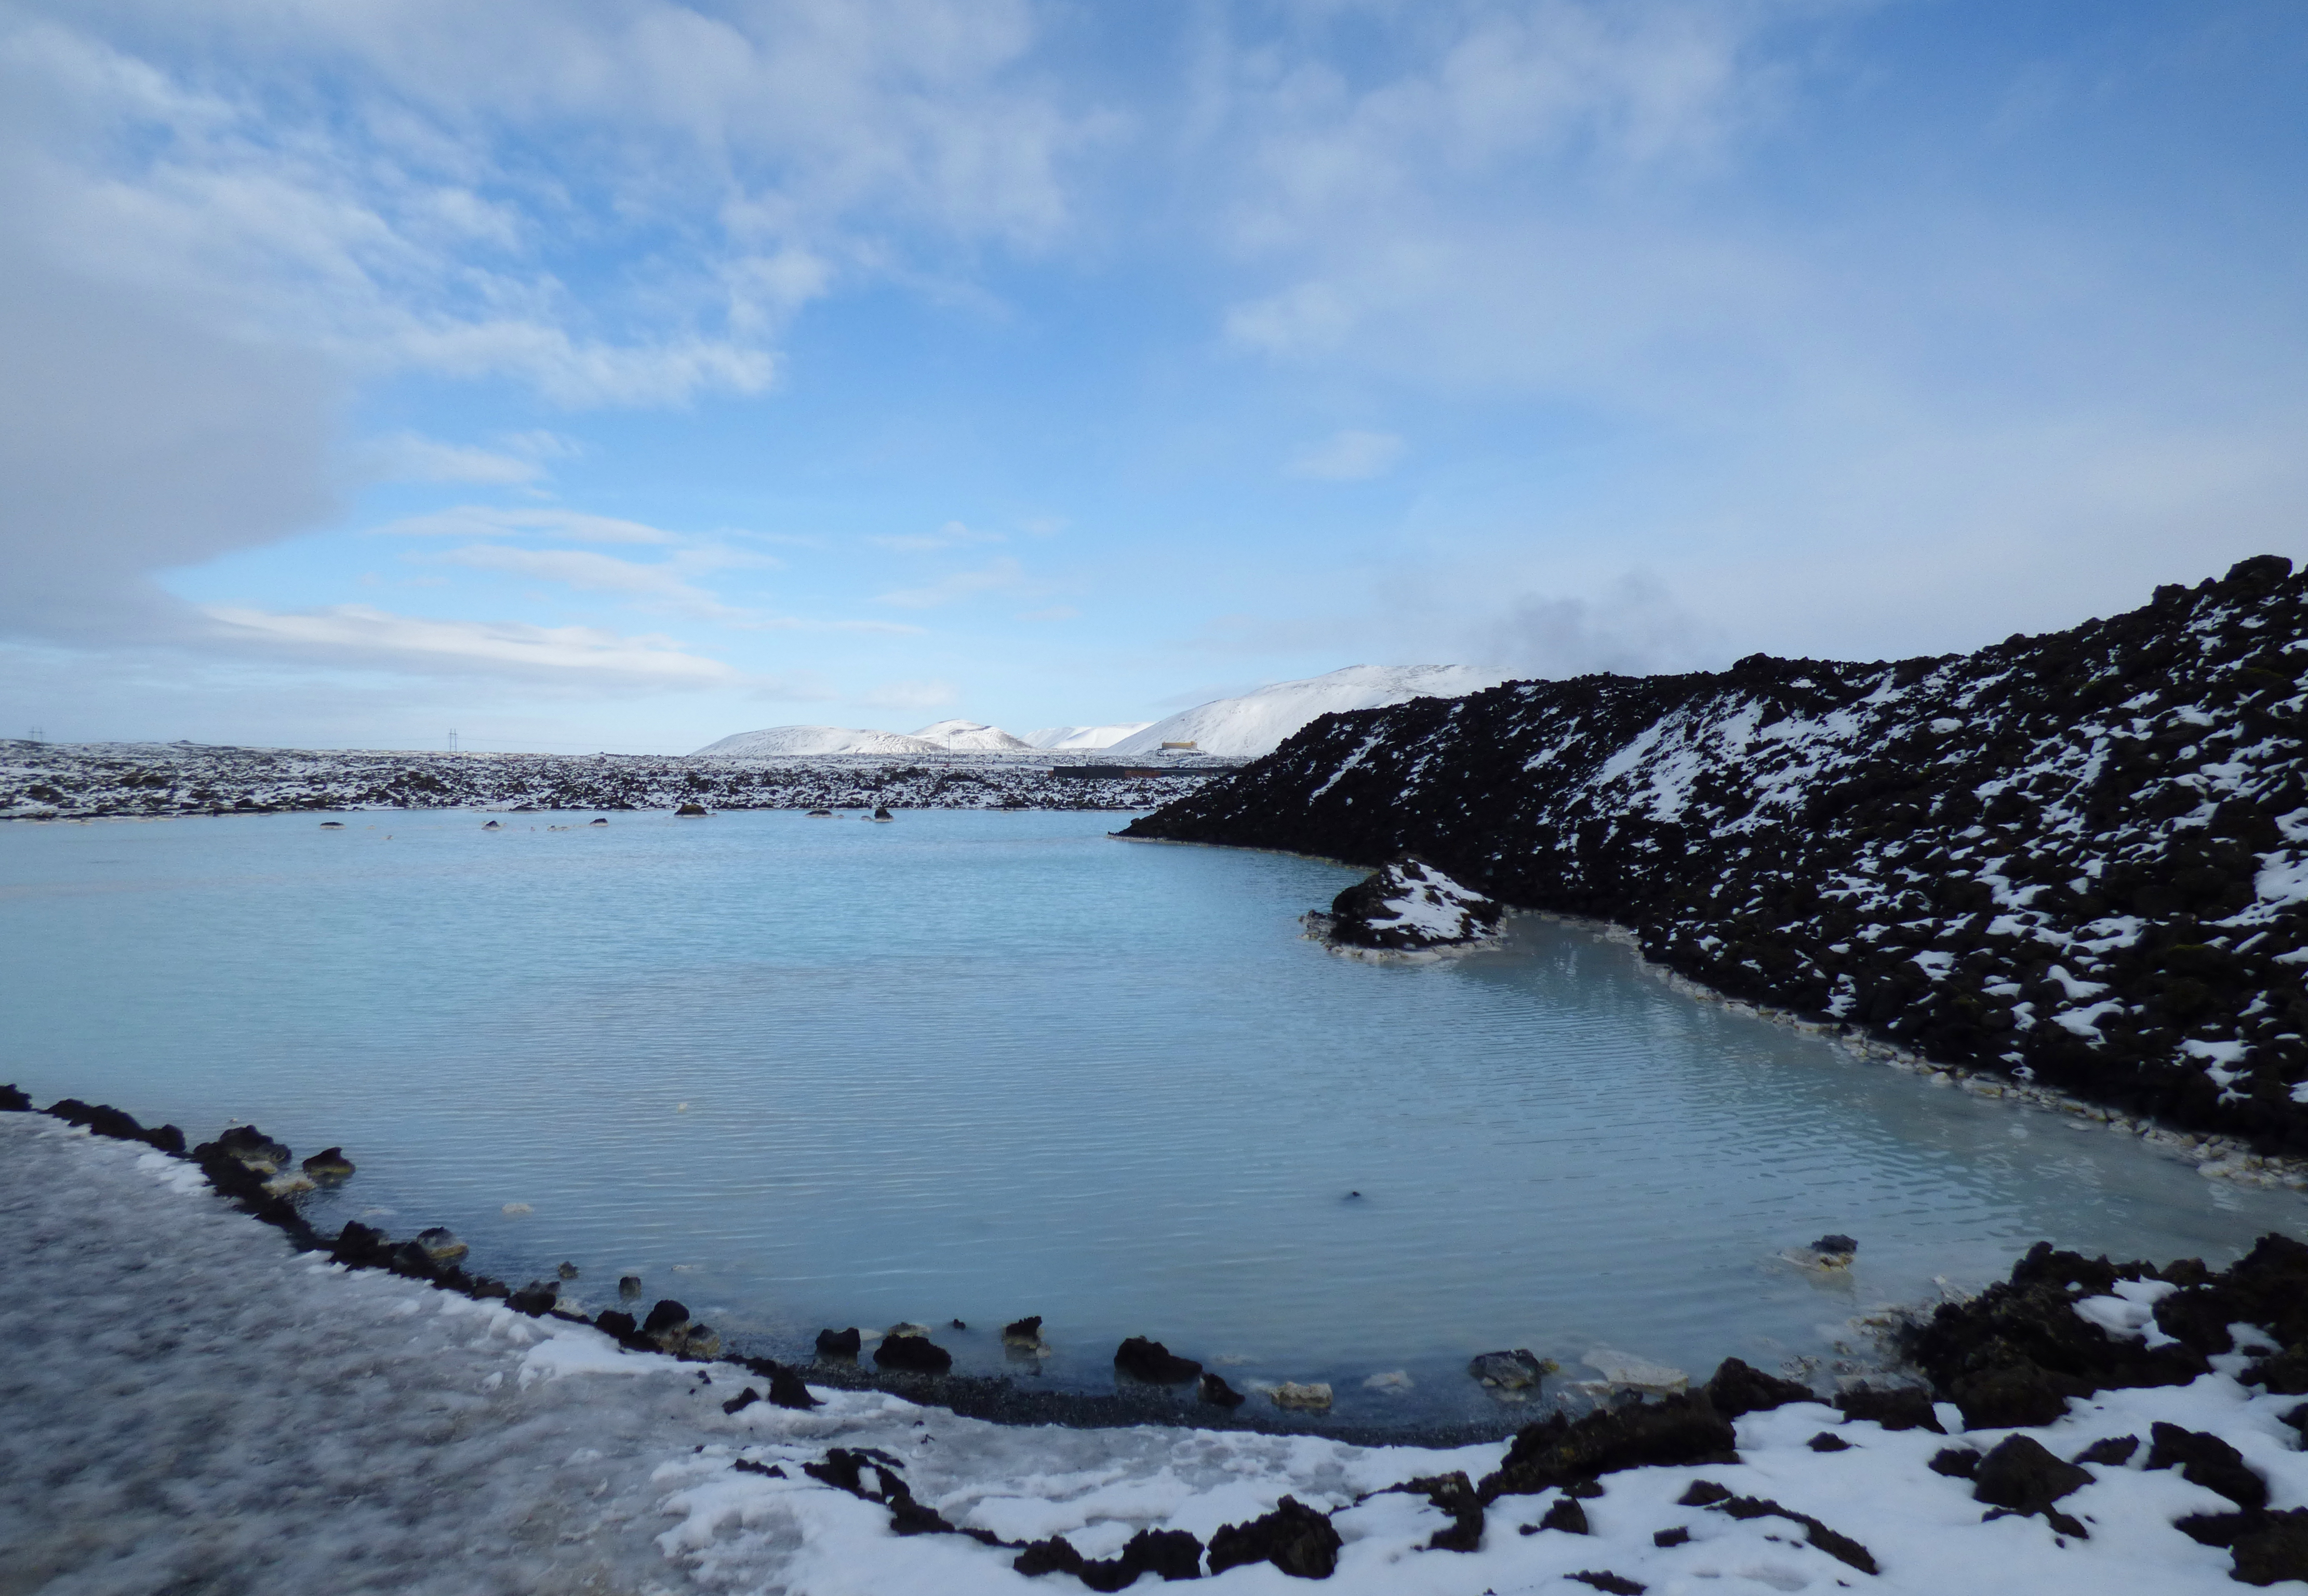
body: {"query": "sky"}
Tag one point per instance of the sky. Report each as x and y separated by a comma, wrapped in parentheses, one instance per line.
(620, 375)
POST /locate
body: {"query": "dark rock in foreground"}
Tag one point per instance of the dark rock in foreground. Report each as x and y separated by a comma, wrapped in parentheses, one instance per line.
(1294, 1538)
(2082, 857)
(1156, 1364)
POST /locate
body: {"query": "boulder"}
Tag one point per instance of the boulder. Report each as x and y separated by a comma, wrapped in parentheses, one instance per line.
(690, 811)
(2022, 1475)
(250, 1148)
(1027, 1329)
(913, 1354)
(328, 1165)
(2114, 1452)
(1409, 905)
(668, 1318)
(1313, 1397)
(441, 1245)
(1682, 1428)
(1151, 1361)
(2274, 1551)
(1516, 1370)
(1738, 1389)
(1296, 1539)
(840, 1343)
(2207, 1461)
(1894, 1407)
(12, 1101)
(1218, 1394)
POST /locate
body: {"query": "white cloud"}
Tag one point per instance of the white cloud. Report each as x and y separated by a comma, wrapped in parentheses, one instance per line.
(997, 576)
(489, 521)
(661, 584)
(408, 456)
(1349, 456)
(358, 634)
(952, 535)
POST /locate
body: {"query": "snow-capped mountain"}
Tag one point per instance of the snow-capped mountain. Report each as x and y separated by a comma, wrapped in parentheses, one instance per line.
(772, 740)
(973, 735)
(1256, 723)
(1061, 738)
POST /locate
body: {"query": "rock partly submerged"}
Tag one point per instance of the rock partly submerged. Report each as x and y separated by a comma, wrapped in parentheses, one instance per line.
(1407, 908)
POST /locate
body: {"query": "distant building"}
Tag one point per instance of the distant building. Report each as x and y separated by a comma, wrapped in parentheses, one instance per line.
(1168, 746)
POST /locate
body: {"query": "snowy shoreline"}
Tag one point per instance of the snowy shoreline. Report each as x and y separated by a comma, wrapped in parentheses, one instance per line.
(196, 1405)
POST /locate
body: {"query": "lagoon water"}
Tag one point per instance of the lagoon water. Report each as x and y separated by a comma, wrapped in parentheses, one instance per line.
(800, 1073)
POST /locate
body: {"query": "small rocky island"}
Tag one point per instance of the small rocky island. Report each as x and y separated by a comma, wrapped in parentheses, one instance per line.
(1408, 908)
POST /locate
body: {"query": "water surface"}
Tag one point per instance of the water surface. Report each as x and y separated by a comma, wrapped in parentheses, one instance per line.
(977, 1065)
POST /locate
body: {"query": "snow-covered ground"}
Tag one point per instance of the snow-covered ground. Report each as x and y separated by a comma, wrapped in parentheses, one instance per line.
(1071, 739)
(1257, 723)
(192, 1406)
(79, 780)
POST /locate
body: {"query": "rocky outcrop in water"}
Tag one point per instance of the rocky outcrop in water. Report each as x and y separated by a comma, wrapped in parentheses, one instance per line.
(1408, 906)
(2079, 858)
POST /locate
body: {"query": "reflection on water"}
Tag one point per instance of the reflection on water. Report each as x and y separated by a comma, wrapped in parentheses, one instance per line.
(803, 1072)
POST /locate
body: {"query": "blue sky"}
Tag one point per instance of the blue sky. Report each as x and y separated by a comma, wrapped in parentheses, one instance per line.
(621, 373)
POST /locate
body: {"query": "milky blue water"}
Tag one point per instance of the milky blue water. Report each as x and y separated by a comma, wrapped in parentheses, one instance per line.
(800, 1073)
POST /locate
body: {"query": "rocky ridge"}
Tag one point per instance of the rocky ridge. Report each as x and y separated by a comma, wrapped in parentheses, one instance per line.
(2079, 858)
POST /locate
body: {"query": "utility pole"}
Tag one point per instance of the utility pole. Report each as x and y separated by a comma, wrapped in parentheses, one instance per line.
(40, 734)
(453, 740)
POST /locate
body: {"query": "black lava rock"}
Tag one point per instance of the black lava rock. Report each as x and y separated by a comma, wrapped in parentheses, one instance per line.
(1683, 1428)
(2114, 1452)
(1565, 1514)
(1455, 1495)
(666, 1318)
(2207, 1461)
(2016, 1354)
(1218, 1394)
(1294, 1538)
(329, 1165)
(2022, 1475)
(1151, 1361)
(1894, 1407)
(1737, 1388)
(2276, 1550)
(744, 1399)
(13, 1102)
(1026, 1329)
(1752, 870)
(1170, 1554)
(1956, 1463)
(104, 1119)
(1827, 1440)
(840, 1343)
(536, 1298)
(914, 1354)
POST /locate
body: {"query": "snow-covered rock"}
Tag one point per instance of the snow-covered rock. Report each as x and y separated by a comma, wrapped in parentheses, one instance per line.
(1409, 906)
(1257, 723)
(975, 735)
(1059, 739)
(774, 741)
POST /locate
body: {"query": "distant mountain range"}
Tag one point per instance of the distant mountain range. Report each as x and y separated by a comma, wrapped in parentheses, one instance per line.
(1244, 727)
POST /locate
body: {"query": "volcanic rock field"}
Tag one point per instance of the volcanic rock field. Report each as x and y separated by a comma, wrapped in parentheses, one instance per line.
(2079, 858)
